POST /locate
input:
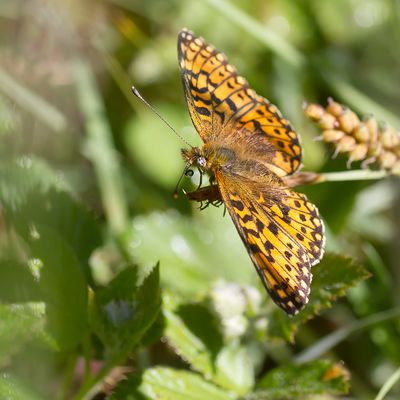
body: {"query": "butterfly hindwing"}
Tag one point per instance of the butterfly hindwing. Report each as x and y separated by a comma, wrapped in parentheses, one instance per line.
(268, 227)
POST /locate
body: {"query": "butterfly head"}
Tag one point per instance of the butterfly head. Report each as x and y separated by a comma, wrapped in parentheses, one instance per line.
(195, 156)
(209, 158)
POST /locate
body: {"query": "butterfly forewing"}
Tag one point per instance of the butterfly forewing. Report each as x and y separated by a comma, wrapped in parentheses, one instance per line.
(221, 103)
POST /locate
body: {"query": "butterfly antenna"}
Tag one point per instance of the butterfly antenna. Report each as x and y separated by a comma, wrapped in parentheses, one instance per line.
(140, 97)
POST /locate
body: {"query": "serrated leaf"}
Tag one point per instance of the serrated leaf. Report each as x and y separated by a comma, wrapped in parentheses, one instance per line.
(122, 312)
(63, 286)
(168, 384)
(20, 324)
(59, 211)
(197, 343)
(13, 389)
(331, 279)
(300, 381)
(194, 332)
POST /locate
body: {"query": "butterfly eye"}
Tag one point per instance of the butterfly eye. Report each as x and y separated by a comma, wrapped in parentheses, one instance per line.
(201, 161)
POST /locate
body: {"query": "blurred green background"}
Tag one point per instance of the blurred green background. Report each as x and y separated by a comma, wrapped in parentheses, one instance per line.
(66, 68)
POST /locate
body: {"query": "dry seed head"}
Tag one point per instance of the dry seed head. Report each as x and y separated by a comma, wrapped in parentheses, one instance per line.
(328, 121)
(374, 149)
(348, 121)
(365, 141)
(335, 108)
(314, 111)
(332, 135)
(359, 152)
(389, 137)
(387, 159)
(395, 170)
(373, 128)
(361, 133)
(346, 144)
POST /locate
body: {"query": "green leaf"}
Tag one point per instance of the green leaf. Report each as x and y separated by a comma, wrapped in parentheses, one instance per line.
(60, 212)
(168, 384)
(20, 324)
(194, 332)
(122, 312)
(17, 283)
(13, 389)
(190, 249)
(19, 177)
(299, 381)
(235, 368)
(63, 286)
(331, 279)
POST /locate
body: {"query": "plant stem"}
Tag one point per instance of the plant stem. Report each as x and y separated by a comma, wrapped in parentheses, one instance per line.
(99, 148)
(306, 178)
(356, 175)
(68, 376)
(328, 342)
(388, 385)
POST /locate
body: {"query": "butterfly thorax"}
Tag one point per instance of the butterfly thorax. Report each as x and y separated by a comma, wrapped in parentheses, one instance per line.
(213, 158)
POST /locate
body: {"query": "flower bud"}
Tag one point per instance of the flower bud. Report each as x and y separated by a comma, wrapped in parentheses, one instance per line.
(346, 144)
(332, 135)
(387, 159)
(361, 133)
(328, 121)
(359, 152)
(348, 121)
(395, 170)
(335, 108)
(389, 137)
(314, 111)
(372, 125)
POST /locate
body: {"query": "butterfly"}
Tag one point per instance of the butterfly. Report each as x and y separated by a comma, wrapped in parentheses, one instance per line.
(248, 150)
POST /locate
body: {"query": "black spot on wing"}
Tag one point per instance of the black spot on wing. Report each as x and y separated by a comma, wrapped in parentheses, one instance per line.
(237, 204)
(273, 228)
(203, 111)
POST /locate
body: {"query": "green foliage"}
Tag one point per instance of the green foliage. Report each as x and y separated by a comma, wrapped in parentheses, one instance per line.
(12, 388)
(124, 310)
(168, 384)
(331, 278)
(194, 332)
(299, 381)
(108, 286)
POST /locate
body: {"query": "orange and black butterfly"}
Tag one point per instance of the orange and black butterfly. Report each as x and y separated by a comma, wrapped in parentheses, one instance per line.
(249, 148)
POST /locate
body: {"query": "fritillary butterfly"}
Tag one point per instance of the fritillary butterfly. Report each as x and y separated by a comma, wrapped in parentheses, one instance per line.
(249, 148)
